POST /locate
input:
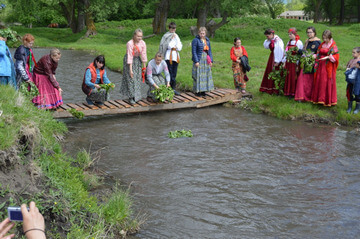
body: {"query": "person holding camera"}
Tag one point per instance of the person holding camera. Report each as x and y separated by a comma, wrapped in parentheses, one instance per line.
(33, 224)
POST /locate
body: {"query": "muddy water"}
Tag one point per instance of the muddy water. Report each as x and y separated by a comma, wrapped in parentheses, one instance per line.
(242, 175)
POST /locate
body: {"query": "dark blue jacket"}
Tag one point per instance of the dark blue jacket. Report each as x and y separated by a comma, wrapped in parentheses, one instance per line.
(197, 47)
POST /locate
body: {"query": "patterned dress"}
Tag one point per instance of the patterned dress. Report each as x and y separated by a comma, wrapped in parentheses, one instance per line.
(238, 72)
(135, 55)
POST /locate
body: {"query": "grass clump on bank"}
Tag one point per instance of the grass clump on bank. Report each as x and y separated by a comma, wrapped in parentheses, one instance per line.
(112, 37)
(66, 190)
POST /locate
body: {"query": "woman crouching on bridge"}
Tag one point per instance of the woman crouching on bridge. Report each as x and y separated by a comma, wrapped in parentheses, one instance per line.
(154, 74)
(95, 74)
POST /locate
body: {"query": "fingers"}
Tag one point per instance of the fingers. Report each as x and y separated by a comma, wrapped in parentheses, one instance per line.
(24, 210)
(5, 226)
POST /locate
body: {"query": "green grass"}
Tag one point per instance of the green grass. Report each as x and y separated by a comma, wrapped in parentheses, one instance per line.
(112, 37)
(68, 182)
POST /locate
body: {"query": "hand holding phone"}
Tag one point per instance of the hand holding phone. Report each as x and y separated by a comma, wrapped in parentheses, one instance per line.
(14, 214)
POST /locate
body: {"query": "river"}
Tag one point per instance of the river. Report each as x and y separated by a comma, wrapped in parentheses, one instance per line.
(242, 175)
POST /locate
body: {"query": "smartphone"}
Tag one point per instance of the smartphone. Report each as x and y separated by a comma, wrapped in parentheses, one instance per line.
(14, 214)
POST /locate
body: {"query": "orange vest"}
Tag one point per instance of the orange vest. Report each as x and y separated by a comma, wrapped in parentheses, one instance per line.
(85, 88)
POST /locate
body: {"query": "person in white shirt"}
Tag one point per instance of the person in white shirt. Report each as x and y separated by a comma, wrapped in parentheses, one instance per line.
(170, 45)
(276, 46)
(154, 77)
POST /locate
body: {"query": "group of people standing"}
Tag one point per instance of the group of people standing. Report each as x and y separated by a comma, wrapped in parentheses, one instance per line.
(317, 85)
(26, 70)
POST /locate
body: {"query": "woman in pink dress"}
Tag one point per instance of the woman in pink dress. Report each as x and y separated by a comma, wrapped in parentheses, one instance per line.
(45, 80)
(276, 46)
(305, 80)
(327, 61)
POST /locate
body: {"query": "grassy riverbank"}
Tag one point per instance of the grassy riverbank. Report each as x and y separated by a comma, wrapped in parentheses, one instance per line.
(68, 191)
(112, 37)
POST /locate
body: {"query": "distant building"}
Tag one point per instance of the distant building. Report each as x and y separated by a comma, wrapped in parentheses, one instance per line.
(299, 15)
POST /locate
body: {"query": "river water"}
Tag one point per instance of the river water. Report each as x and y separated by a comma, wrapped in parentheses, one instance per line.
(242, 175)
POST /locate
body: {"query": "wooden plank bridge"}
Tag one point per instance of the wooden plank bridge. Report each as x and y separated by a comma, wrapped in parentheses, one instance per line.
(182, 101)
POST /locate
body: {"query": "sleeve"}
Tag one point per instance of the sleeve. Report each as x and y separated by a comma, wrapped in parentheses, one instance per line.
(178, 43)
(166, 71)
(194, 47)
(244, 52)
(129, 52)
(88, 79)
(210, 53)
(149, 74)
(232, 55)
(334, 57)
(278, 51)
(172, 44)
(143, 52)
(105, 78)
(300, 45)
(267, 44)
(19, 66)
(2, 51)
(49, 72)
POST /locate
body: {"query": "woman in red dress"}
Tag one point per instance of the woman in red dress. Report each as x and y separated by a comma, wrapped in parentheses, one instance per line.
(327, 61)
(240, 78)
(276, 46)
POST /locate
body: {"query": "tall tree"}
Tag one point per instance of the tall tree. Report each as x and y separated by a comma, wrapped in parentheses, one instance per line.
(342, 12)
(276, 7)
(160, 18)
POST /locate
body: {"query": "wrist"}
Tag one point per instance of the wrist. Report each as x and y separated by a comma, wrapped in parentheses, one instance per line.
(35, 233)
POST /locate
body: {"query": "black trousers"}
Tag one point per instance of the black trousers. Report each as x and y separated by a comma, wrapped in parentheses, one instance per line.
(173, 71)
(349, 94)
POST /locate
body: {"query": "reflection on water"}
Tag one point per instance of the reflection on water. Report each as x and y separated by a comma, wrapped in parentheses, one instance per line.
(240, 176)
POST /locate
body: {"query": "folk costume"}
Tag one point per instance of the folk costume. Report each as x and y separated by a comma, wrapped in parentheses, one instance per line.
(154, 75)
(93, 76)
(24, 64)
(239, 73)
(7, 69)
(291, 76)
(305, 80)
(202, 76)
(276, 47)
(324, 89)
(353, 84)
(45, 81)
(135, 55)
(170, 45)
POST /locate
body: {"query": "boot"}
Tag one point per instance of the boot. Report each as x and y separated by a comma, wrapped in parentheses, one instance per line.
(357, 108)
(349, 107)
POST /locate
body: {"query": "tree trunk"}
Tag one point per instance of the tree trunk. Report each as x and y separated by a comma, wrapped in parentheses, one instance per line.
(358, 7)
(212, 26)
(67, 12)
(160, 18)
(202, 12)
(90, 25)
(81, 15)
(317, 11)
(342, 13)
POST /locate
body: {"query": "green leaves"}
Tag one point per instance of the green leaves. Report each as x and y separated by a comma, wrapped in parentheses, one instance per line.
(278, 76)
(180, 133)
(107, 87)
(29, 89)
(163, 93)
(307, 62)
(291, 57)
(77, 114)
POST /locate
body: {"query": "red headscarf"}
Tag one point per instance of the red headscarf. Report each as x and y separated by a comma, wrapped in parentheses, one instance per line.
(293, 31)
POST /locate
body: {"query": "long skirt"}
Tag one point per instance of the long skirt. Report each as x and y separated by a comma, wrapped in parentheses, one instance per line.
(290, 81)
(304, 86)
(49, 97)
(324, 89)
(202, 76)
(267, 85)
(131, 87)
(239, 76)
(159, 80)
(98, 96)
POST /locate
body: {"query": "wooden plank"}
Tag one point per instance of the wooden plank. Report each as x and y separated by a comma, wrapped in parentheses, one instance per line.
(81, 106)
(148, 102)
(212, 95)
(59, 109)
(123, 103)
(76, 107)
(181, 98)
(188, 97)
(111, 106)
(195, 96)
(65, 107)
(115, 104)
(217, 93)
(93, 107)
(141, 103)
(223, 91)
